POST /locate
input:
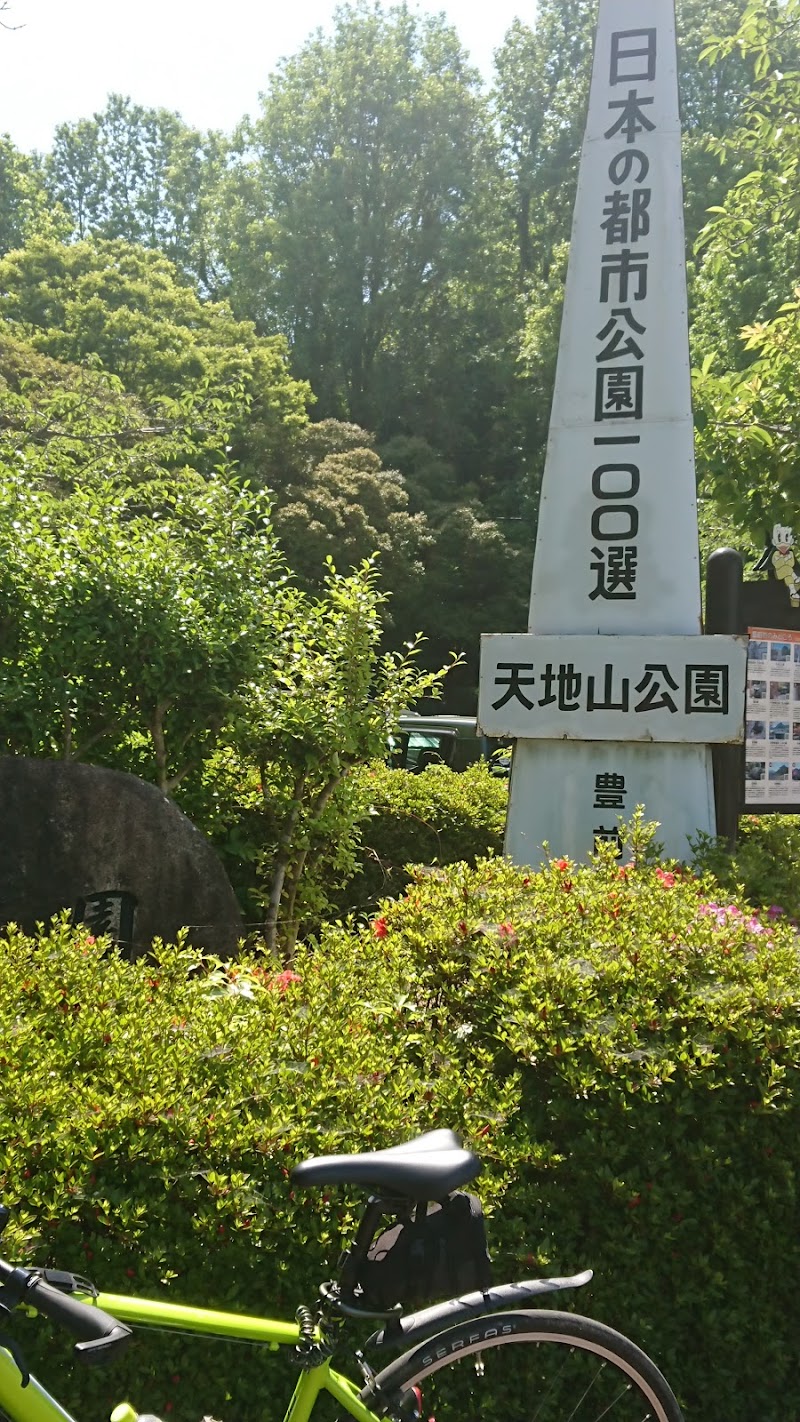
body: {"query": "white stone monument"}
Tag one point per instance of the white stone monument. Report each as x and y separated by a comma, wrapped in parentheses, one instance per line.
(613, 694)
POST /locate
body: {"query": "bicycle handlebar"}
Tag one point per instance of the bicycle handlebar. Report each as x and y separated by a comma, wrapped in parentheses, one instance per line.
(101, 1336)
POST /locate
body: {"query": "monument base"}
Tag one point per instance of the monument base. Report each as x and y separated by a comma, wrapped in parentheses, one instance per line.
(566, 792)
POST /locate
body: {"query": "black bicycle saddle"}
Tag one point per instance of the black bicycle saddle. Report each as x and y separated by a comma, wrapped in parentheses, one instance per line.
(426, 1168)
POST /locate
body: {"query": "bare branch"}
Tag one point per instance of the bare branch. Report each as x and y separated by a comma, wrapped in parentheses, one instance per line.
(3, 25)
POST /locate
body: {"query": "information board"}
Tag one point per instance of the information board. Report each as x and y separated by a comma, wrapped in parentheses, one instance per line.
(772, 720)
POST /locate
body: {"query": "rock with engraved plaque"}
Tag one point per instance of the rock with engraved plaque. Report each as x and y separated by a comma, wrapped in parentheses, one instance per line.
(114, 851)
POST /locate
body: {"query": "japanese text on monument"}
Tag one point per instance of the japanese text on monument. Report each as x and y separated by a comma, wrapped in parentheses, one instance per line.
(628, 227)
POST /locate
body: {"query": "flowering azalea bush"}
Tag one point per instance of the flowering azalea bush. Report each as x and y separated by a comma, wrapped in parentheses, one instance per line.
(652, 1026)
(619, 1043)
(763, 867)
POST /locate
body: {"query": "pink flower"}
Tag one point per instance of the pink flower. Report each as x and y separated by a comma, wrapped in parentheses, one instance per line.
(281, 981)
(714, 911)
(506, 930)
(667, 879)
(775, 911)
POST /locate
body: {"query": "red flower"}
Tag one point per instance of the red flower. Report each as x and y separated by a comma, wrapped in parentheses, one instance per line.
(506, 930)
(380, 927)
(561, 864)
(282, 980)
(666, 878)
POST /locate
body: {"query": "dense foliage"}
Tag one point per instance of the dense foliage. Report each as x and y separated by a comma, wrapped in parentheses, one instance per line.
(224, 361)
(130, 627)
(436, 818)
(746, 332)
(762, 867)
(122, 309)
(621, 1047)
(160, 634)
(383, 247)
(150, 624)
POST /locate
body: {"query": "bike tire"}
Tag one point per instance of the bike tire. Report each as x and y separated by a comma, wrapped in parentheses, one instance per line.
(539, 1365)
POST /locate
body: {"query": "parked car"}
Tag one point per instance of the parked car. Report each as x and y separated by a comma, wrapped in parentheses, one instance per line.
(454, 741)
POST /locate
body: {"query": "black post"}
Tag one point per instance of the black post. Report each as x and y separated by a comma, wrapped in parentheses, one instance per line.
(724, 575)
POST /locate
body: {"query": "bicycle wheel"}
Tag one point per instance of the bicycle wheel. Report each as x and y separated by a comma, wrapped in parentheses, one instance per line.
(536, 1366)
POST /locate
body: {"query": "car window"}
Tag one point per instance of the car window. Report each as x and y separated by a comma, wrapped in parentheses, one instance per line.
(426, 748)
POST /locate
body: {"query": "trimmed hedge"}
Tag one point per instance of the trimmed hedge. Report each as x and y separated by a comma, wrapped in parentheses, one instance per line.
(620, 1046)
(438, 817)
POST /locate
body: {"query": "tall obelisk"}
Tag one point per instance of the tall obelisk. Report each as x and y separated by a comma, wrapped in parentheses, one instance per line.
(617, 546)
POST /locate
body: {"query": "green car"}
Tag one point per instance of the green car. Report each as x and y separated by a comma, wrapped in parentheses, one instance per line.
(454, 741)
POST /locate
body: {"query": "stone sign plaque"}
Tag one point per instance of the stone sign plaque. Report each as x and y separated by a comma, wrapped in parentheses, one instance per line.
(114, 851)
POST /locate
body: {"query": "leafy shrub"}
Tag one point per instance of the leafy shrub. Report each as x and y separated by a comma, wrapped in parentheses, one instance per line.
(151, 1113)
(156, 630)
(620, 1045)
(437, 817)
(763, 867)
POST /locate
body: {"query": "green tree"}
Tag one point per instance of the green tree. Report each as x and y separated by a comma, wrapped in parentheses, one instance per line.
(366, 149)
(447, 568)
(374, 159)
(327, 705)
(749, 249)
(126, 309)
(342, 503)
(540, 97)
(150, 624)
(143, 175)
(130, 624)
(745, 337)
(749, 431)
(64, 426)
(476, 567)
(25, 205)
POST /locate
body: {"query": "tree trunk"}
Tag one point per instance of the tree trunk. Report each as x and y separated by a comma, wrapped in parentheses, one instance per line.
(160, 744)
(282, 860)
(292, 924)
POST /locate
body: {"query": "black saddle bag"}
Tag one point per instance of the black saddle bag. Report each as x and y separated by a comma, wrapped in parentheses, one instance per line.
(437, 1252)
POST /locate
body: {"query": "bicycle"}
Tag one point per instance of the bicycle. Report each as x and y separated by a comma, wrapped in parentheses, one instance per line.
(478, 1353)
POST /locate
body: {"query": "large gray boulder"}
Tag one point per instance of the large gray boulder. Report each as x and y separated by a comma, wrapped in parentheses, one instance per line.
(112, 849)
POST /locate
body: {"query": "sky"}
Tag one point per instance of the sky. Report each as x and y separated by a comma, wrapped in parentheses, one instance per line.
(207, 59)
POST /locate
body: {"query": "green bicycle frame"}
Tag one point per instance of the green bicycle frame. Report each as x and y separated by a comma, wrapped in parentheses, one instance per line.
(34, 1404)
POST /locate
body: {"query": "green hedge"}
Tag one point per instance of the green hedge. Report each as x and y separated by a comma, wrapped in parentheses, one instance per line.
(764, 865)
(621, 1048)
(436, 817)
